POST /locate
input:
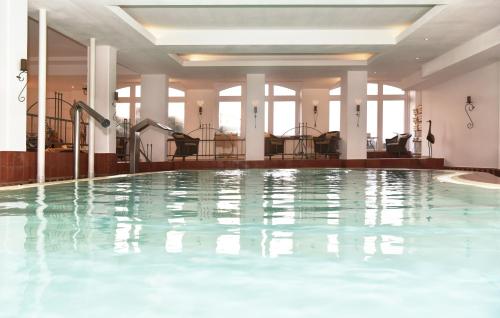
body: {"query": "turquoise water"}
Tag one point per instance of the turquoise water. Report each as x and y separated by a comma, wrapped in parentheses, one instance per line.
(252, 243)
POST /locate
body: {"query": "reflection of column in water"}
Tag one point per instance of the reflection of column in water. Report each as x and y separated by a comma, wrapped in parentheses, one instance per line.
(42, 271)
(75, 215)
(311, 209)
(351, 213)
(252, 211)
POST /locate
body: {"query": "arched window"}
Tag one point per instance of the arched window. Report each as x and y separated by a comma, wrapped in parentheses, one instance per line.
(280, 109)
(128, 95)
(230, 102)
(176, 108)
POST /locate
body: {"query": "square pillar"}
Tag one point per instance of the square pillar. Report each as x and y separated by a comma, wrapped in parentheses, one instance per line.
(154, 105)
(352, 131)
(105, 86)
(14, 39)
(254, 122)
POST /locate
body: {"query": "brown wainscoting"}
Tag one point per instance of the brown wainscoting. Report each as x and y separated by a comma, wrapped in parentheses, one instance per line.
(384, 154)
(20, 167)
(410, 163)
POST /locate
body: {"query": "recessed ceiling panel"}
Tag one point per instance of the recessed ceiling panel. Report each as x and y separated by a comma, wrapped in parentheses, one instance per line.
(277, 17)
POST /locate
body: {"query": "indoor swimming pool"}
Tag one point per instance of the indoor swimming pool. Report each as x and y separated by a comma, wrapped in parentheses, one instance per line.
(252, 243)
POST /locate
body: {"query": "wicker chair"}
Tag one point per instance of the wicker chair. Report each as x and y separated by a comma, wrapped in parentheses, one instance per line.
(397, 144)
(185, 146)
(327, 144)
(274, 146)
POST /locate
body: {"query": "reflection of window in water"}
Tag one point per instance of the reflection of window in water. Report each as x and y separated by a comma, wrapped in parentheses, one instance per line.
(389, 245)
(281, 244)
(228, 244)
(333, 244)
(173, 243)
(123, 232)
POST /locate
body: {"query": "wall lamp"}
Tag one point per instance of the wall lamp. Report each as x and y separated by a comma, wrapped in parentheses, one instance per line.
(21, 77)
(255, 104)
(315, 110)
(468, 108)
(200, 104)
(358, 109)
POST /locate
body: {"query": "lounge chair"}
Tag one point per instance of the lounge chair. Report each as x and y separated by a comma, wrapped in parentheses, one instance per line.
(327, 144)
(274, 146)
(185, 146)
(397, 144)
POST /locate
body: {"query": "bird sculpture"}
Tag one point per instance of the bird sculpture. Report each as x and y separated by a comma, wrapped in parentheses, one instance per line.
(430, 138)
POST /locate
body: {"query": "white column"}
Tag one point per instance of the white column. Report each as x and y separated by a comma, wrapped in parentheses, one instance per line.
(42, 91)
(105, 86)
(254, 122)
(498, 108)
(154, 101)
(14, 39)
(353, 133)
(91, 97)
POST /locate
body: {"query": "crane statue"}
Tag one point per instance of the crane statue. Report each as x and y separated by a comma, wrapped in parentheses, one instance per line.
(430, 138)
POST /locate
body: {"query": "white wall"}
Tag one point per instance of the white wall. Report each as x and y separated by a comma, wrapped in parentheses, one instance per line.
(254, 124)
(210, 113)
(444, 105)
(323, 97)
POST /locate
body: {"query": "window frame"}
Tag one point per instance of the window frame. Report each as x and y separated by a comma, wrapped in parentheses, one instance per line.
(270, 99)
(241, 99)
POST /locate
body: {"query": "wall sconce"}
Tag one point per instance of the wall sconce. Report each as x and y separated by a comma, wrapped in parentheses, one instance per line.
(358, 109)
(315, 110)
(468, 108)
(255, 104)
(116, 98)
(21, 77)
(84, 89)
(200, 104)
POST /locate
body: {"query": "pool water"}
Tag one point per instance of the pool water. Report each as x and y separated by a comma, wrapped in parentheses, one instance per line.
(252, 243)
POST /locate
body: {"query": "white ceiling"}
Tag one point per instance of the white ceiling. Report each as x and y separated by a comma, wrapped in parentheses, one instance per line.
(397, 32)
(276, 17)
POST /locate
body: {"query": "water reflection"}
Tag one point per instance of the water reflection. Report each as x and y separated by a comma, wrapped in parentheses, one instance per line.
(329, 212)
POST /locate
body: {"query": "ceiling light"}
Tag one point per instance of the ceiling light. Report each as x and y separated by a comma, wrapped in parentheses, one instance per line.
(427, 39)
(417, 58)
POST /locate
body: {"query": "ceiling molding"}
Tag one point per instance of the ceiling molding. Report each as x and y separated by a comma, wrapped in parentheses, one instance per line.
(119, 12)
(281, 2)
(479, 44)
(428, 16)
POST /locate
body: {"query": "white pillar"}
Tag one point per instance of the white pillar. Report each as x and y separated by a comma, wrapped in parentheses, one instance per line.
(353, 132)
(42, 91)
(254, 122)
(105, 86)
(498, 108)
(14, 39)
(154, 105)
(91, 97)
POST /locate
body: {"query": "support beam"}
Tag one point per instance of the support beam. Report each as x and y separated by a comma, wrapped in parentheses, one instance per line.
(91, 97)
(42, 91)
(353, 128)
(14, 39)
(105, 86)
(154, 101)
(254, 121)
